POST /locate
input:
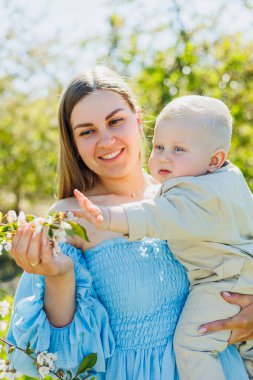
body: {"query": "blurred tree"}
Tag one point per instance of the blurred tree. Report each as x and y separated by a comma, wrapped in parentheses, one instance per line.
(28, 135)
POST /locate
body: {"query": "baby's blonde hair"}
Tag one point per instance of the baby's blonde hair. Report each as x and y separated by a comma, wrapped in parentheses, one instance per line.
(209, 113)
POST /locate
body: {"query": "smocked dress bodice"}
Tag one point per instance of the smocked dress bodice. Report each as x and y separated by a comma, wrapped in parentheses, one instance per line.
(143, 288)
(129, 297)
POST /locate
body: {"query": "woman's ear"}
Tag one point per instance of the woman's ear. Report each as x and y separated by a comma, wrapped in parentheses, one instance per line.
(217, 160)
(138, 116)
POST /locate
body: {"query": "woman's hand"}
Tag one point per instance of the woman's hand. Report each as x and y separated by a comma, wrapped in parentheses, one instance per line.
(33, 253)
(241, 324)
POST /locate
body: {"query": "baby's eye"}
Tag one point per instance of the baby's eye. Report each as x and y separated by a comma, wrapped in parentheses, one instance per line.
(115, 122)
(179, 149)
(158, 147)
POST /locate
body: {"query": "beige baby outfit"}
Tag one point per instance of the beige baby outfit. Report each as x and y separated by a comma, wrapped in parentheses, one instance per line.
(208, 223)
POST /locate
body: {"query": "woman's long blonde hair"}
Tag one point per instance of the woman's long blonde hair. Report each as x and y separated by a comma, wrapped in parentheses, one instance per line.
(72, 171)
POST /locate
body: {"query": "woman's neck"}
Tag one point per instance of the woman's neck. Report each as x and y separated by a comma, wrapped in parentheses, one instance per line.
(131, 185)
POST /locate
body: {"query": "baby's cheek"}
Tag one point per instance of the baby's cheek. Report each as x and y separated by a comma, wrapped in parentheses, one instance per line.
(152, 165)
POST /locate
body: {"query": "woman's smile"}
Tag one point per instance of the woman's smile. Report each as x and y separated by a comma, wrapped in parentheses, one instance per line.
(112, 156)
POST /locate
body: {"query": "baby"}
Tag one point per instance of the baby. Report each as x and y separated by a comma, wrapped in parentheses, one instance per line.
(204, 209)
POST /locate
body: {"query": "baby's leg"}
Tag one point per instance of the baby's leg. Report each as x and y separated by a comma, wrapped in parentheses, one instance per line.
(196, 354)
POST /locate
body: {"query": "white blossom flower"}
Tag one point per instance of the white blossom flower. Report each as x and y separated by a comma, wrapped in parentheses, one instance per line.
(46, 358)
(41, 358)
(3, 365)
(60, 236)
(44, 371)
(21, 219)
(52, 356)
(49, 219)
(4, 308)
(70, 215)
(8, 235)
(3, 326)
(8, 246)
(5, 372)
(3, 375)
(38, 224)
(65, 225)
(11, 216)
(1, 248)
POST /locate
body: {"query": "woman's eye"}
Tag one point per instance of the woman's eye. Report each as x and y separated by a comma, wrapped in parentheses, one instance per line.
(179, 149)
(87, 132)
(115, 122)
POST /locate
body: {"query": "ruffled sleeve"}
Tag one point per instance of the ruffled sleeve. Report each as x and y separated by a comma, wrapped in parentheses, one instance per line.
(88, 332)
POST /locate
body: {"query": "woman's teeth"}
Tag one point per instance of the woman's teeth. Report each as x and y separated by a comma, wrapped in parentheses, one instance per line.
(111, 155)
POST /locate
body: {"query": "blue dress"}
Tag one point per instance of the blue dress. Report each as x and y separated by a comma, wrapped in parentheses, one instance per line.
(129, 298)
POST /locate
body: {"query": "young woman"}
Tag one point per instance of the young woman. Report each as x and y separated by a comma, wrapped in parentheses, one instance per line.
(119, 299)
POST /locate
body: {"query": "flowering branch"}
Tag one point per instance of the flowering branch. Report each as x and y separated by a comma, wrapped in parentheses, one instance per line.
(44, 361)
(60, 224)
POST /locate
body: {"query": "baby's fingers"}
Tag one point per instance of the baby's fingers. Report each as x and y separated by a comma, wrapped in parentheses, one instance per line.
(86, 204)
(96, 219)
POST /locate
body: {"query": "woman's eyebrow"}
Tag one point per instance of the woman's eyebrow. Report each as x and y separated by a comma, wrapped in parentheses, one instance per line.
(113, 112)
(83, 125)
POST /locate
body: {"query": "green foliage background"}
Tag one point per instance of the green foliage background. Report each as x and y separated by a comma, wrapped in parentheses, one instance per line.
(196, 60)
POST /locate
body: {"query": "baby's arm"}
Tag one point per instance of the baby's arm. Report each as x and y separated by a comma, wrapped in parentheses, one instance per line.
(170, 216)
(104, 218)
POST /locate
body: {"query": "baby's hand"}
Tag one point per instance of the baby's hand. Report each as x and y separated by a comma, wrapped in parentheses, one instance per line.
(98, 216)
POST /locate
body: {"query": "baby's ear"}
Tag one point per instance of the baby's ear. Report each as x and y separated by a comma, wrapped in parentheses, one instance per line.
(217, 160)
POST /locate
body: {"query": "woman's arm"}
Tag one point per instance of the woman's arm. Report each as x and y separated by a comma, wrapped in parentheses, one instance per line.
(32, 252)
(89, 328)
(241, 324)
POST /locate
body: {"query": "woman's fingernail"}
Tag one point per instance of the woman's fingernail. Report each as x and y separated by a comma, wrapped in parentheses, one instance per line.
(202, 330)
(227, 294)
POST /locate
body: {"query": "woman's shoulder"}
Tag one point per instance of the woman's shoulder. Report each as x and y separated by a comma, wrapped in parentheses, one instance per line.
(65, 204)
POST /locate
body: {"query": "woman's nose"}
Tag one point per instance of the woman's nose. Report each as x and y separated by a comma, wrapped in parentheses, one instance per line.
(106, 140)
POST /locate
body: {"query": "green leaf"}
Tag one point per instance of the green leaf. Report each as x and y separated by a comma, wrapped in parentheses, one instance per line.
(69, 374)
(87, 364)
(79, 230)
(50, 233)
(28, 350)
(70, 232)
(54, 226)
(5, 228)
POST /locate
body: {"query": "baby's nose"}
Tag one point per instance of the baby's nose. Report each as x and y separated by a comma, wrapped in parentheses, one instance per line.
(165, 156)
